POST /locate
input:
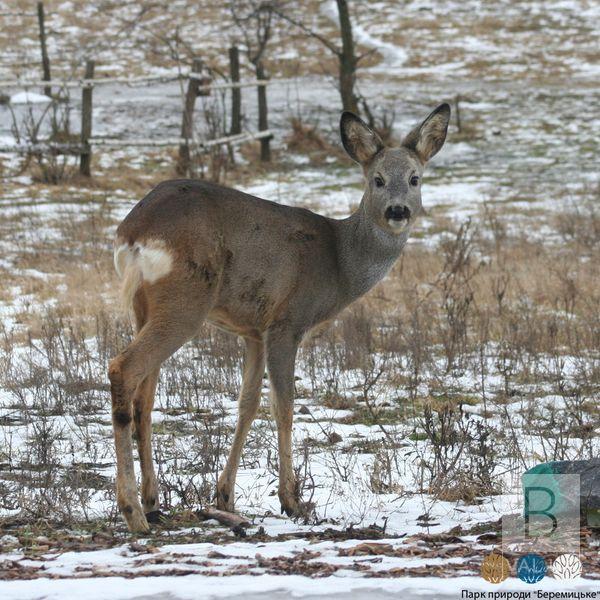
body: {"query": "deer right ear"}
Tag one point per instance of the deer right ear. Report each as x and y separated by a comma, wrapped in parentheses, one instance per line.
(360, 142)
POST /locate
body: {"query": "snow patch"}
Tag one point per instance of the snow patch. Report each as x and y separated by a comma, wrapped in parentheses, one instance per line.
(29, 98)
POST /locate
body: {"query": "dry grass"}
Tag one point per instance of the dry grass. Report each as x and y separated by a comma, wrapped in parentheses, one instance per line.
(503, 301)
(504, 276)
(478, 296)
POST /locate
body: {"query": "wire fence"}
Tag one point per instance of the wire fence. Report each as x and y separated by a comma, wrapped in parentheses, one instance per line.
(198, 84)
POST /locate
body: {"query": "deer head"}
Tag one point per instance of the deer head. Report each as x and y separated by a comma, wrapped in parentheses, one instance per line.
(392, 197)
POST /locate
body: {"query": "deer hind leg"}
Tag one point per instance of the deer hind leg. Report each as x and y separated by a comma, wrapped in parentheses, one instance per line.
(143, 402)
(281, 357)
(248, 402)
(155, 342)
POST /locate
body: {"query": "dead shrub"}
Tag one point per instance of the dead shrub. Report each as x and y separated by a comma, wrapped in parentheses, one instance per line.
(337, 401)
(464, 457)
(581, 224)
(307, 138)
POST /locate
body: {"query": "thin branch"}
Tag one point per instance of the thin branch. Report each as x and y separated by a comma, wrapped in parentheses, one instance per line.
(365, 55)
(310, 32)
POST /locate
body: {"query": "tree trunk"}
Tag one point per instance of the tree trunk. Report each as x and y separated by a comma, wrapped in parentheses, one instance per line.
(347, 59)
(236, 93)
(184, 162)
(85, 160)
(44, 48)
(263, 119)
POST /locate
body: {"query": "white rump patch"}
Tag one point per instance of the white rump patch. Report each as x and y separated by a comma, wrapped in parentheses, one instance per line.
(154, 259)
(151, 257)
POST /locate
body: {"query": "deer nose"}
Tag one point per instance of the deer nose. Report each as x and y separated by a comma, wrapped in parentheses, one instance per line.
(397, 213)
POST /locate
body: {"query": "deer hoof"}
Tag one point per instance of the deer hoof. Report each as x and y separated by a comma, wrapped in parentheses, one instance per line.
(225, 500)
(155, 516)
(298, 510)
(289, 504)
(136, 521)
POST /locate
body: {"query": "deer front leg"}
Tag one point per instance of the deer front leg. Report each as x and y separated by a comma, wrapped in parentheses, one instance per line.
(281, 357)
(248, 402)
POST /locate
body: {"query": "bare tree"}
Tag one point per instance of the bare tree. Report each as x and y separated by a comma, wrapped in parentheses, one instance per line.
(254, 19)
(345, 51)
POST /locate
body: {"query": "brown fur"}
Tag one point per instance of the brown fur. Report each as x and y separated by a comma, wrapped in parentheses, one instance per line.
(193, 251)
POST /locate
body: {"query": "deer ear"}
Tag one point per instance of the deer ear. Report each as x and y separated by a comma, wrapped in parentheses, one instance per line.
(360, 142)
(428, 138)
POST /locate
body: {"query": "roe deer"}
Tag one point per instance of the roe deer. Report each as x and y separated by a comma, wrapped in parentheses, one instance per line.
(193, 251)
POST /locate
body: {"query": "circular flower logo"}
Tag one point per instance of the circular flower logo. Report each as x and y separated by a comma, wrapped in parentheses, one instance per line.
(495, 568)
(531, 568)
(566, 566)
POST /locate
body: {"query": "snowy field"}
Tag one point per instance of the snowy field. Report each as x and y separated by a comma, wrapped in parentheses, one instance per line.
(416, 412)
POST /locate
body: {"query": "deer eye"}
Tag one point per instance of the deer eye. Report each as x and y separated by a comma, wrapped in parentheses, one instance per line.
(414, 180)
(379, 181)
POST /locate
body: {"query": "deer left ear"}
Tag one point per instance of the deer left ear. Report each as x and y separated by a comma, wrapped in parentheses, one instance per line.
(428, 138)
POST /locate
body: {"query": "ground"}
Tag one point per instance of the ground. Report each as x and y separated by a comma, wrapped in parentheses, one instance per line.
(417, 410)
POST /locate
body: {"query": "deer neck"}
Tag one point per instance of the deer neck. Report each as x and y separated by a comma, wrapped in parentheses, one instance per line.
(365, 253)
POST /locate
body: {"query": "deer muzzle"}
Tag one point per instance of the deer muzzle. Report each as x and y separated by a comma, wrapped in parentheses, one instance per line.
(397, 216)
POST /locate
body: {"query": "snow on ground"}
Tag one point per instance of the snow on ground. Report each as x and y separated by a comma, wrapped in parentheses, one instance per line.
(342, 584)
(29, 98)
(249, 587)
(527, 145)
(406, 522)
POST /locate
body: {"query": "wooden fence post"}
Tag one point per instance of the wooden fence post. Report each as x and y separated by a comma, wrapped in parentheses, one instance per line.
(85, 159)
(236, 92)
(457, 112)
(263, 121)
(187, 121)
(45, 59)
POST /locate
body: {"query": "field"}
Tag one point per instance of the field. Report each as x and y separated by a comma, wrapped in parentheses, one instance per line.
(417, 410)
